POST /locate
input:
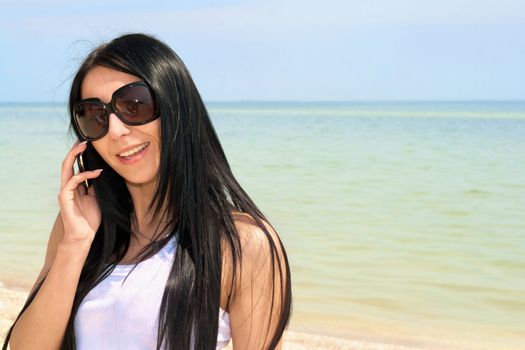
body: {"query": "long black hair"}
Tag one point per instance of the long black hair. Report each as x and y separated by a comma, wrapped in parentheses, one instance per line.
(196, 194)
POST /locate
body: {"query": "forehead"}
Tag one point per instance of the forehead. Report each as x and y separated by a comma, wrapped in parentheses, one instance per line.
(101, 82)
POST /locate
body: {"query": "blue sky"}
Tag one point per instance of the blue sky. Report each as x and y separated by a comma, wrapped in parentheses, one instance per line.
(282, 50)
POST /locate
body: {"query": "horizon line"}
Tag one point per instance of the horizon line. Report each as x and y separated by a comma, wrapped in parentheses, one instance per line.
(306, 101)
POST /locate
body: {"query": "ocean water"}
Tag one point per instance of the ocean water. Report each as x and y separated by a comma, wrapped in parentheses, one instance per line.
(403, 221)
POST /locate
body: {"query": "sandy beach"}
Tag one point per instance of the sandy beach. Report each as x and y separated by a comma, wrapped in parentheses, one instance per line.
(11, 301)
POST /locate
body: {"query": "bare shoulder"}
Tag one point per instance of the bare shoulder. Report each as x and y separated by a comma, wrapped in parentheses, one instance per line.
(262, 250)
(251, 235)
(258, 302)
(259, 248)
(256, 251)
(57, 232)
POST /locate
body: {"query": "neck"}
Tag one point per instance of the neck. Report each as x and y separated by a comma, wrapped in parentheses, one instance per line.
(144, 224)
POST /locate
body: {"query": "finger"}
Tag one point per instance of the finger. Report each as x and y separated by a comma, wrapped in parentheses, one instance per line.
(67, 164)
(81, 191)
(91, 191)
(77, 179)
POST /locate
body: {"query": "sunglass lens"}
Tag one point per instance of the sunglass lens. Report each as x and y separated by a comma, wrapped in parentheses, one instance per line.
(92, 119)
(136, 104)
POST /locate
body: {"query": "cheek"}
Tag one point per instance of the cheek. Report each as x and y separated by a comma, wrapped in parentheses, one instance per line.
(153, 131)
(101, 149)
(155, 156)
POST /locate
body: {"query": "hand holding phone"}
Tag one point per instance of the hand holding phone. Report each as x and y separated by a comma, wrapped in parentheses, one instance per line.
(80, 212)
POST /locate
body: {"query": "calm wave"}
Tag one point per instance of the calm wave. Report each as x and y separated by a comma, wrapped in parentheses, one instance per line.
(403, 221)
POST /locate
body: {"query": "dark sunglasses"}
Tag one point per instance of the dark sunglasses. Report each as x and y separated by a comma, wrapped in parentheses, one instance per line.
(133, 103)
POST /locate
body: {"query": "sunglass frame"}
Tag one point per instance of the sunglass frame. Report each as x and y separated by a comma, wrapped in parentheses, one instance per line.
(111, 108)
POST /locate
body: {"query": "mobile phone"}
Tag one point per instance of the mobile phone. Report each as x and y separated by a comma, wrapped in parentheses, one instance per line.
(82, 168)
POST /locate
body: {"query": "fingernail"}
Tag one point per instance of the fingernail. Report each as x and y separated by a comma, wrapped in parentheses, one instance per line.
(98, 170)
(83, 142)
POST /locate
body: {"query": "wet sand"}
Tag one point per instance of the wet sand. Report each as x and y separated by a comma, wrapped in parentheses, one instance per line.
(11, 301)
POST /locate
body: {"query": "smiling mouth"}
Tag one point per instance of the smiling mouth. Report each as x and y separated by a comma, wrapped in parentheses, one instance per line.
(132, 152)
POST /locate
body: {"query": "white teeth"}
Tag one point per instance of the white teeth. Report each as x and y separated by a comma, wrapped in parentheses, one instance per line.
(134, 150)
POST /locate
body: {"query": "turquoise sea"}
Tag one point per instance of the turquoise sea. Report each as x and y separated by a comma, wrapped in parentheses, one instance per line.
(404, 221)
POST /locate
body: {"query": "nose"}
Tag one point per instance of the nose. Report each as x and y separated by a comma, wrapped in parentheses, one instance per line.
(117, 128)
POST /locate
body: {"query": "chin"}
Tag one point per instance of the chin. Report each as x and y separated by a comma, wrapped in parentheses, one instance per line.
(136, 178)
(139, 180)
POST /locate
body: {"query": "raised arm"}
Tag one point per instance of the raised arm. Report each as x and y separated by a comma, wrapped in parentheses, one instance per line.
(42, 324)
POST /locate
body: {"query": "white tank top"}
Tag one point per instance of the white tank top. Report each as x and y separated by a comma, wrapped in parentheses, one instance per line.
(123, 313)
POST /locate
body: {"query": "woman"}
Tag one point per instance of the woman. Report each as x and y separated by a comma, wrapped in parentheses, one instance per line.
(164, 249)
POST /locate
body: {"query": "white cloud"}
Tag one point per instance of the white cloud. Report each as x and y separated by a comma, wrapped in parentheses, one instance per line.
(333, 49)
(271, 18)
